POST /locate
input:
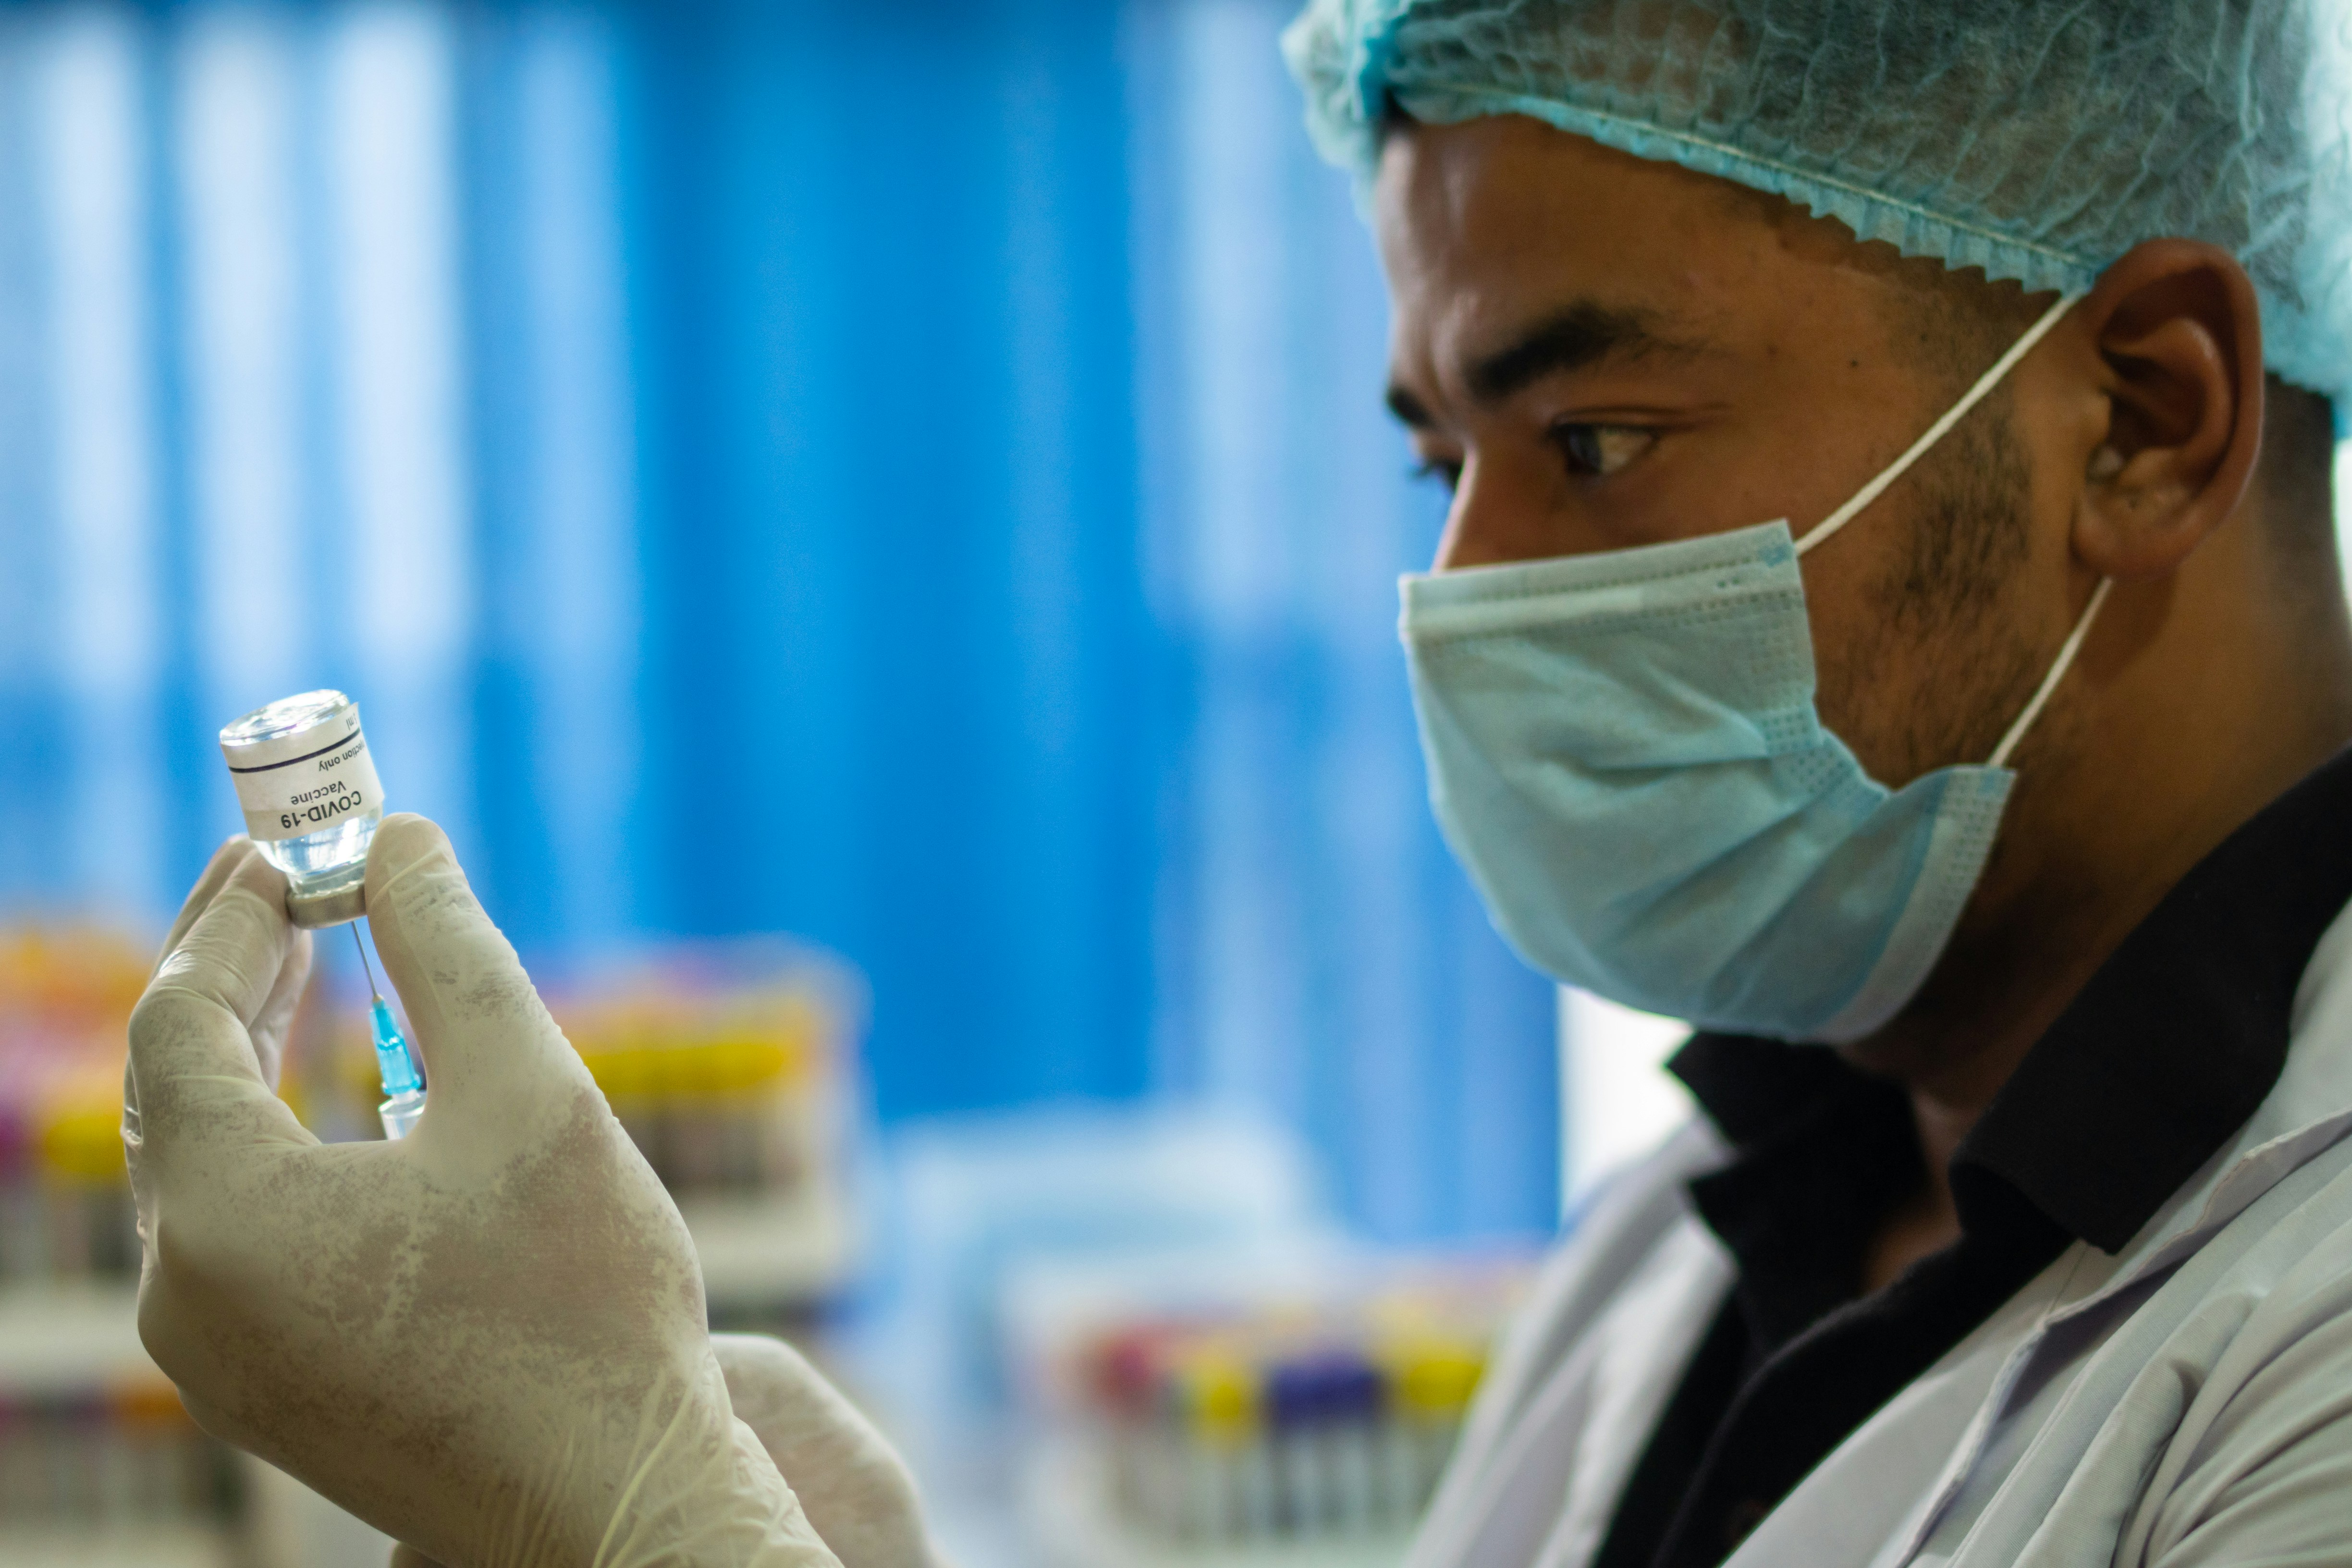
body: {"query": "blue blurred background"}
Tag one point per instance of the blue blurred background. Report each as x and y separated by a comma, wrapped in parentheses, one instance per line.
(905, 474)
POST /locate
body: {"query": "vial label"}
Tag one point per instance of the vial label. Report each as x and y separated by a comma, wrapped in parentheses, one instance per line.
(306, 783)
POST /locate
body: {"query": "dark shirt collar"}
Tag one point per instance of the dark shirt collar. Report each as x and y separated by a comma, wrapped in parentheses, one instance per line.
(2151, 1070)
(2148, 1073)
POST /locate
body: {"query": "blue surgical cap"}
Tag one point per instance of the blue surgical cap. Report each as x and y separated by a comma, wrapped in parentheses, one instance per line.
(2039, 140)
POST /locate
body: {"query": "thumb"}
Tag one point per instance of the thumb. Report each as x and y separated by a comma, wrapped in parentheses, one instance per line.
(497, 1069)
(193, 1069)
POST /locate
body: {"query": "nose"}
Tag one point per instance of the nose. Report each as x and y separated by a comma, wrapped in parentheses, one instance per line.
(1492, 522)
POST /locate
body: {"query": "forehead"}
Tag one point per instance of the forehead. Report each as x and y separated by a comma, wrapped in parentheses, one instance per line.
(1482, 223)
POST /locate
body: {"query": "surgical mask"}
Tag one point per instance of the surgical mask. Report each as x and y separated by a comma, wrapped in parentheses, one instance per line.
(1625, 754)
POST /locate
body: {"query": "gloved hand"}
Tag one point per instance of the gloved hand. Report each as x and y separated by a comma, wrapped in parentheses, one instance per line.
(486, 1340)
(855, 1488)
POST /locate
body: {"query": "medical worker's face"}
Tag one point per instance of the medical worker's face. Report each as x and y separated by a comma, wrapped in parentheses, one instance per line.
(1600, 351)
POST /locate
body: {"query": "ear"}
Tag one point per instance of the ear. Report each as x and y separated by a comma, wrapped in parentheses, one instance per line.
(2180, 343)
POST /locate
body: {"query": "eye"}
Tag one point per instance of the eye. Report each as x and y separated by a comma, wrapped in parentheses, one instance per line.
(1596, 451)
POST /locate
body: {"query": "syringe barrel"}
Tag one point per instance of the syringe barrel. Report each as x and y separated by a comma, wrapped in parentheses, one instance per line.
(400, 1114)
(394, 1063)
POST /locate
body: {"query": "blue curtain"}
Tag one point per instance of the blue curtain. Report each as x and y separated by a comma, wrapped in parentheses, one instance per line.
(909, 475)
(1321, 952)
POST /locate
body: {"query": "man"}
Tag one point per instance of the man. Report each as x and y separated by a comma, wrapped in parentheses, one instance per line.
(2018, 1227)
(1888, 614)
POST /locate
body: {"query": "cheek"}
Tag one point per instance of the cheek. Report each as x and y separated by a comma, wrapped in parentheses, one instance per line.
(1862, 679)
(1927, 642)
(1905, 703)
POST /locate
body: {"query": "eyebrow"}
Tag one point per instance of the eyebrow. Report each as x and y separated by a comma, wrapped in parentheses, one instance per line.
(1584, 333)
(1581, 335)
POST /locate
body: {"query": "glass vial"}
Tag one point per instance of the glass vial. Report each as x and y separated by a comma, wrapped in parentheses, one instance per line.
(312, 800)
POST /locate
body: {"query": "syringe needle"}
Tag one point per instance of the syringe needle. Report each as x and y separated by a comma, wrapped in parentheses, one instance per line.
(365, 966)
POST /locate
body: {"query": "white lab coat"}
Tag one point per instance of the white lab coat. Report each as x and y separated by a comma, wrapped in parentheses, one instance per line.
(2185, 1402)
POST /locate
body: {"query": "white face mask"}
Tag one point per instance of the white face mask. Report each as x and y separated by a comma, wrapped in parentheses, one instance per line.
(1625, 754)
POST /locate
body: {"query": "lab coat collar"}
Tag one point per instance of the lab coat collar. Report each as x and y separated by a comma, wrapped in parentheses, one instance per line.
(2179, 1038)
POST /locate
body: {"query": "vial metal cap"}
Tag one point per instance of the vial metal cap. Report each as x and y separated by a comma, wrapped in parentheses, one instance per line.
(335, 906)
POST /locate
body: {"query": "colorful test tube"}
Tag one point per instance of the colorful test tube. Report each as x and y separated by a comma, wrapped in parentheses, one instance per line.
(1229, 1484)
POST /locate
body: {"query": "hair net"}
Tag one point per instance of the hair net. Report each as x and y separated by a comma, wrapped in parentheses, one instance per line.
(2036, 139)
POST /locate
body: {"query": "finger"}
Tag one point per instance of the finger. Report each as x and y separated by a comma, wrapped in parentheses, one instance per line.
(799, 1416)
(192, 1065)
(493, 1057)
(233, 853)
(226, 859)
(854, 1486)
(232, 856)
(776, 1393)
(276, 1019)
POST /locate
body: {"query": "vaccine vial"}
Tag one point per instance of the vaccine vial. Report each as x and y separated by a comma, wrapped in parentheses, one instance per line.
(312, 800)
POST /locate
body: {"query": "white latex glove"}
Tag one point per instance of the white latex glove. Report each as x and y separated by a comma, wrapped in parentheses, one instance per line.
(853, 1483)
(486, 1340)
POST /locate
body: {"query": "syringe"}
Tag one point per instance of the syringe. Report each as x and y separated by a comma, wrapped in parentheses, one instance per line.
(393, 1058)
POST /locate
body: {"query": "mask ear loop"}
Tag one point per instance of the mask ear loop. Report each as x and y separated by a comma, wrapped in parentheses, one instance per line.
(1941, 428)
(2049, 682)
